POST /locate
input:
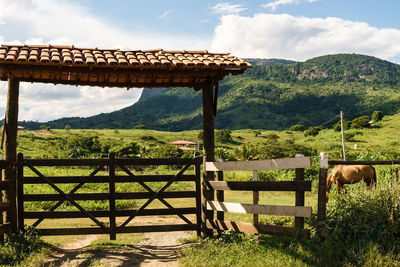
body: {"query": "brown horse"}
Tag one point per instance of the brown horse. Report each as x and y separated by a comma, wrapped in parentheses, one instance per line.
(350, 174)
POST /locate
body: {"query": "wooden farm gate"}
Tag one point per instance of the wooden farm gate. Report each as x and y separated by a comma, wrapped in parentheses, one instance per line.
(298, 185)
(5, 206)
(112, 179)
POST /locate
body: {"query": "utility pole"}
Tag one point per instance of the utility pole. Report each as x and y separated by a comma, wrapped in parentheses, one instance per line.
(341, 127)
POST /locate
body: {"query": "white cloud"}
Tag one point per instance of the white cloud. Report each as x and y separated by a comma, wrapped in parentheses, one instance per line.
(67, 23)
(44, 102)
(273, 5)
(301, 38)
(227, 8)
(165, 14)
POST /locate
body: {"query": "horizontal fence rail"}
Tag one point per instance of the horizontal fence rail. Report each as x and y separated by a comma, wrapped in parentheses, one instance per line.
(220, 206)
(97, 176)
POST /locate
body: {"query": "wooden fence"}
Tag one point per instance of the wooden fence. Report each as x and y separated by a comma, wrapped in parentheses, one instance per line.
(298, 185)
(111, 196)
(4, 206)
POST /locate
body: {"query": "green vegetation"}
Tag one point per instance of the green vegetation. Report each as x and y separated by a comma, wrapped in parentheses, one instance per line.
(266, 97)
(19, 245)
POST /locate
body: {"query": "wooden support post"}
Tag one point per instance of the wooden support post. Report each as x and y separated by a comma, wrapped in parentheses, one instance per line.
(20, 191)
(256, 196)
(197, 174)
(323, 174)
(111, 187)
(10, 148)
(208, 147)
(299, 221)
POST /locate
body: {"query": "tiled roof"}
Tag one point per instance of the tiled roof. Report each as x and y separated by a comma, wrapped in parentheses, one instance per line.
(116, 68)
(158, 58)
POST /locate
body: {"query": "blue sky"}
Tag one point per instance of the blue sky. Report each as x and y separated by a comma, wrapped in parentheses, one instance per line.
(290, 29)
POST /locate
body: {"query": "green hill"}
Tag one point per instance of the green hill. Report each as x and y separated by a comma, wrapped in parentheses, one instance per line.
(269, 97)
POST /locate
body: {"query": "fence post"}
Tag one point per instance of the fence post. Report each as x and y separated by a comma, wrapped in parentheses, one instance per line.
(1, 200)
(299, 221)
(20, 191)
(256, 196)
(220, 196)
(111, 171)
(208, 194)
(323, 174)
(198, 193)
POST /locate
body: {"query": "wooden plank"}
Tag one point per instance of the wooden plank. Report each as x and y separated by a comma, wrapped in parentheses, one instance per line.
(156, 161)
(322, 197)
(104, 196)
(66, 162)
(5, 228)
(126, 229)
(256, 165)
(198, 196)
(111, 200)
(260, 186)
(5, 206)
(220, 196)
(259, 209)
(253, 228)
(105, 213)
(299, 202)
(20, 191)
(105, 179)
(256, 197)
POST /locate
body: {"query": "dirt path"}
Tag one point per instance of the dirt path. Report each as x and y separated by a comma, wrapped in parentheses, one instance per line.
(156, 249)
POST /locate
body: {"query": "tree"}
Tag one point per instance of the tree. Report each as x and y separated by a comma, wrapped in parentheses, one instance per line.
(338, 126)
(223, 135)
(297, 128)
(138, 126)
(360, 122)
(377, 115)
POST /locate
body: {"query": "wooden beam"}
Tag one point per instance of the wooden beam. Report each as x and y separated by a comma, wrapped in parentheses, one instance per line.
(260, 186)
(259, 209)
(10, 148)
(208, 147)
(252, 165)
(255, 228)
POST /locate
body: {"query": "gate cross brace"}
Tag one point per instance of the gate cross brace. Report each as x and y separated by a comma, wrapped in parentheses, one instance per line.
(76, 188)
(79, 207)
(158, 197)
(138, 211)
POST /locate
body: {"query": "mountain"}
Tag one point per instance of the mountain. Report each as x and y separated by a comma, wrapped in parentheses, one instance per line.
(269, 61)
(269, 97)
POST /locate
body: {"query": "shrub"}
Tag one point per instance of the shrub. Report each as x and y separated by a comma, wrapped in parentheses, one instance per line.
(364, 217)
(338, 126)
(223, 135)
(312, 131)
(360, 122)
(129, 150)
(377, 115)
(138, 126)
(224, 154)
(297, 128)
(19, 245)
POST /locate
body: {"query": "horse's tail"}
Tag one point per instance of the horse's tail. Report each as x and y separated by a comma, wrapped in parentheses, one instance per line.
(374, 176)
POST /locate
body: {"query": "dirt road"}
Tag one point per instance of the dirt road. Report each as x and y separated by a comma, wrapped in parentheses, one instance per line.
(156, 249)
